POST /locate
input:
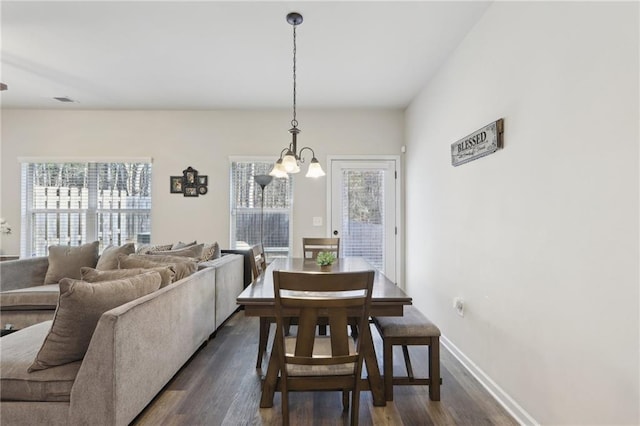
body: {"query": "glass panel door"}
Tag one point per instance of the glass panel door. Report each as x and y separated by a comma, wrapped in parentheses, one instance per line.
(363, 211)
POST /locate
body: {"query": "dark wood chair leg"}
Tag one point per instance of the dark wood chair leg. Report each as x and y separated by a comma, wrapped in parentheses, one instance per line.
(285, 405)
(354, 329)
(355, 407)
(387, 354)
(322, 329)
(434, 369)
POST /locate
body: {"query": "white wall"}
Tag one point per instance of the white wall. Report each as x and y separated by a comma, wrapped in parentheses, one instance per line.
(202, 139)
(541, 238)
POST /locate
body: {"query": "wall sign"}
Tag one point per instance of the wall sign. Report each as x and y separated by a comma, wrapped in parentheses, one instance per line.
(478, 144)
(190, 184)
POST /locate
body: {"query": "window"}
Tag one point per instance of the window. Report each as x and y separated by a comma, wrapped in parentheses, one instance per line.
(246, 198)
(363, 221)
(74, 203)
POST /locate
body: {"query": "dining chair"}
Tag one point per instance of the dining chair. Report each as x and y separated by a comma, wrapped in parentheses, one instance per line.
(309, 362)
(312, 246)
(259, 261)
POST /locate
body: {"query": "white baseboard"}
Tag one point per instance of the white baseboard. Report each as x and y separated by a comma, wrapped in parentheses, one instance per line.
(496, 391)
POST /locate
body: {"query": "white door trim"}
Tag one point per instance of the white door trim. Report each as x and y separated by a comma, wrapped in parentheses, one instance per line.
(398, 202)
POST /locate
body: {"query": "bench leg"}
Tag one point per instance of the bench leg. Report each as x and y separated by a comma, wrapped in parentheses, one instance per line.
(434, 369)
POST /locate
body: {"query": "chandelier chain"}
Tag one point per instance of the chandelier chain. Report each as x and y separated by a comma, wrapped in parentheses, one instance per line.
(294, 122)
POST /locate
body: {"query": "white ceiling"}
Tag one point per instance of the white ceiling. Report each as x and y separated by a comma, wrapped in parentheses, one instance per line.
(224, 55)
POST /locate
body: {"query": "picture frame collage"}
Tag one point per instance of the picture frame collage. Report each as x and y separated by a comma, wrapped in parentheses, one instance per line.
(190, 184)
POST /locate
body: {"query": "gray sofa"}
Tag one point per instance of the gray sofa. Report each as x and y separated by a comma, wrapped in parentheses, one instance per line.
(135, 349)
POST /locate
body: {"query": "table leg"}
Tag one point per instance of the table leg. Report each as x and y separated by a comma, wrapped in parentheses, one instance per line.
(373, 372)
(262, 340)
(273, 370)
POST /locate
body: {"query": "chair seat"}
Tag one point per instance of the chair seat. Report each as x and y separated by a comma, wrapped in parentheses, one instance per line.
(412, 324)
(321, 348)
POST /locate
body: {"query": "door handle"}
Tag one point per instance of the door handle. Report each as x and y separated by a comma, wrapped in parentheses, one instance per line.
(335, 232)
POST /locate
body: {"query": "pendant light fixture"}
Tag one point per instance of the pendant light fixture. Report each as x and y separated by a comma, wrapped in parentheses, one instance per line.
(290, 163)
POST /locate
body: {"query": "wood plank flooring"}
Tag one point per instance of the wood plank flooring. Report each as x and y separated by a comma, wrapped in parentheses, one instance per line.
(220, 386)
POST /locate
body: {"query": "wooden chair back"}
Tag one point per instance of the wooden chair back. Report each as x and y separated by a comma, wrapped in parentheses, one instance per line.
(311, 362)
(258, 261)
(312, 246)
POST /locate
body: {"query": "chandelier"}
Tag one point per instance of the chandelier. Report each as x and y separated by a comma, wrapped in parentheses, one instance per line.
(290, 158)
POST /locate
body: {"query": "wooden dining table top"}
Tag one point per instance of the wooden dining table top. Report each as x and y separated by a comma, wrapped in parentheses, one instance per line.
(387, 297)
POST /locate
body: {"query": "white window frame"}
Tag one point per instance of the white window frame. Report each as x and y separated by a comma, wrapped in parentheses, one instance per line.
(256, 159)
(26, 248)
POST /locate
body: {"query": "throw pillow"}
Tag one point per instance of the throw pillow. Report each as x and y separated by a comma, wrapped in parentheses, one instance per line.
(109, 258)
(91, 275)
(210, 252)
(66, 261)
(191, 251)
(148, 248)
(184, 266)
(80, 306)
(180, 245)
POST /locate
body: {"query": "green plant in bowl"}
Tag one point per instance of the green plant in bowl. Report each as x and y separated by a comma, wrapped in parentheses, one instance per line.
(325, 258)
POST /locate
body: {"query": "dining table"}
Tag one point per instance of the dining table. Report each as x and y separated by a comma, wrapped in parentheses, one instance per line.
(387, 300)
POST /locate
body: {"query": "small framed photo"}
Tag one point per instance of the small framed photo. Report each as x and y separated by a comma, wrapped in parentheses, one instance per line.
(190, 191)
(202, 189)
(203, 180)
(190, 177)
(176, 185)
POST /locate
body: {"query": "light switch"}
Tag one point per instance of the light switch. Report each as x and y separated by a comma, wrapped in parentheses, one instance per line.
(317, 221)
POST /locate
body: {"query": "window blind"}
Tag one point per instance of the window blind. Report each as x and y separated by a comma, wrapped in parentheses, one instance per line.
(363, 215)
(72, 203)
(246, 202)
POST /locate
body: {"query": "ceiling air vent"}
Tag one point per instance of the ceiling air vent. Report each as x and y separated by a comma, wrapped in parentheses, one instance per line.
(64, 99)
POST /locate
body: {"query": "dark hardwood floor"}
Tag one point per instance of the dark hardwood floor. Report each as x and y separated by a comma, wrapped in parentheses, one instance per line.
(220, 386)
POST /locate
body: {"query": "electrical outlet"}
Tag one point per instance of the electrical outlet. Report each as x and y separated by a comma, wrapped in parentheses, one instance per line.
(458, 305)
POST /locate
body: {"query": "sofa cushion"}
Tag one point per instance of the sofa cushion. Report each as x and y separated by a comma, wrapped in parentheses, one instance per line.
(210, 252)
(79, 308)
(148, 248)
(109, 258)
(66, 261)
(181, 245)
(30, 298)
(16, 384)
(194, 251)
(91, 275)
(184, 266)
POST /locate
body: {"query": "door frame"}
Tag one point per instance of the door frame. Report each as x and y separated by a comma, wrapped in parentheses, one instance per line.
(399, 240)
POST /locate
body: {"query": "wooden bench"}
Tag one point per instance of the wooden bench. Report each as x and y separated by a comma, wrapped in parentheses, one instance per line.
(413, 328)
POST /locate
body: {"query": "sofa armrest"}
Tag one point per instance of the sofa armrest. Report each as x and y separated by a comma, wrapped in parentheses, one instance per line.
(229, 284)
(248, 278)
(216, 263)
(23, 273)
(139, 346)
